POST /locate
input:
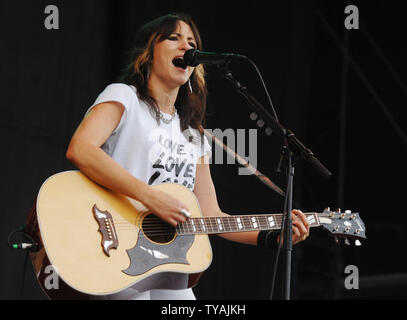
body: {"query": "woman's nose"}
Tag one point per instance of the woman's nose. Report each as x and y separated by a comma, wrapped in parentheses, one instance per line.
(185, 45)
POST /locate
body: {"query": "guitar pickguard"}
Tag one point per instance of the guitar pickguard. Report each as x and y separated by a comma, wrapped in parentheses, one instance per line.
(146, 254)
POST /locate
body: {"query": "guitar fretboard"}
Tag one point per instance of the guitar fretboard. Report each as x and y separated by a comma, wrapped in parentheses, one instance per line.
(211, 225)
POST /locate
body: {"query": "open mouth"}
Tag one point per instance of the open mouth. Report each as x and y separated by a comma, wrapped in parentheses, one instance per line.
(180, 63)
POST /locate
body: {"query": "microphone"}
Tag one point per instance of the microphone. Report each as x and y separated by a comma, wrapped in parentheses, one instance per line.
(194, 57)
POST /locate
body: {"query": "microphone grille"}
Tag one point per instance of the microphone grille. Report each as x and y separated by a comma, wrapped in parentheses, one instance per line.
(189, 58)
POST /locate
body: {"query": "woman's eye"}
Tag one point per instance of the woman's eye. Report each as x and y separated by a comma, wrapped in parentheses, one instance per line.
(175, 38)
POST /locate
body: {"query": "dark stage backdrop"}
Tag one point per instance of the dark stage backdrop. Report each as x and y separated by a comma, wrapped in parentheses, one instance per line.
(347, 108)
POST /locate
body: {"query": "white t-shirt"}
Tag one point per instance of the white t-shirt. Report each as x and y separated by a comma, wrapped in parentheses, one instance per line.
(154, 153)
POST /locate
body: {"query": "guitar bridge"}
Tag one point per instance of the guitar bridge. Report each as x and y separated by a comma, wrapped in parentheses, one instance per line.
(107, 229)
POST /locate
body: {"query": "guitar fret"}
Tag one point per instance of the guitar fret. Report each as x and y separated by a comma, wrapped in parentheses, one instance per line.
(271, 220)
(203, 225)
(197, 226)
(184, 227)
(233, 223)
(260, 221)
(239, 223)
(230, 227)
(263, 222)
(178, 228)
(193, 225)
(209, 225)
(242, 223)
(214, 225)
(188, 226)
(253, 220)
(219, 222)
(246, 223)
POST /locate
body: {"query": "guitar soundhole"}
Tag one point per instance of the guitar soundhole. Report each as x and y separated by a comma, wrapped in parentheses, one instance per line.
(157, 230)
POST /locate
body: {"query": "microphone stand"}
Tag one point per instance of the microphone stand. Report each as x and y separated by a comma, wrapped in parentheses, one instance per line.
(291, 150)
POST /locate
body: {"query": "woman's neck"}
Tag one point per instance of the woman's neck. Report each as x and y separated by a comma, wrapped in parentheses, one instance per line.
(163, 95)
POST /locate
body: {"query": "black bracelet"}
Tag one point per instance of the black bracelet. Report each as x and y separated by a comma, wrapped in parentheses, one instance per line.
(267, 239)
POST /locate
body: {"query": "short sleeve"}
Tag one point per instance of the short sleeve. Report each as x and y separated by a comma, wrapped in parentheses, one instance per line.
(118, 92)
(206, 147)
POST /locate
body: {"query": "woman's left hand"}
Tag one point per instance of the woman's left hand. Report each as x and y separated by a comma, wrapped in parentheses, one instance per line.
(300, 226)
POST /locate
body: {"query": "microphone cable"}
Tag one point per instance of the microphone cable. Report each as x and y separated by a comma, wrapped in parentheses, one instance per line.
(285, 143)
(264, 86)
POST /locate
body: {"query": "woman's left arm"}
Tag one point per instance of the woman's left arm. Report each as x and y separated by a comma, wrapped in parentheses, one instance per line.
(205, 192)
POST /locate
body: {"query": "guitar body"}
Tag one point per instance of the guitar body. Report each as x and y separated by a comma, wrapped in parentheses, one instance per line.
(96, 242)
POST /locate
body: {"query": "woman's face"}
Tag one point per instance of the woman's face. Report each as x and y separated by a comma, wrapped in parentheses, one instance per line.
(167, 51)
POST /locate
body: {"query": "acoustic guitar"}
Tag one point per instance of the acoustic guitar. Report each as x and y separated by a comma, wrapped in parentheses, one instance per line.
(92, 241)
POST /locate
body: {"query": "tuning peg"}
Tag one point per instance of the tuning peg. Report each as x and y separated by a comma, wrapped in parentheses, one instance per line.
(358, 243)
(260, 123)
(268, 131)
(338, 210)
(336, 239)
(327, 209)
(253, 116)
(348, 211)
(347, 242)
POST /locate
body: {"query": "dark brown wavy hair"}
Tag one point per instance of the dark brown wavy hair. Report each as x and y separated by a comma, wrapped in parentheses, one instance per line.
(190, 106)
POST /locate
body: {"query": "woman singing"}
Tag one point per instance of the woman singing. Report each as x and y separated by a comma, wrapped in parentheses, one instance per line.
(147, 130)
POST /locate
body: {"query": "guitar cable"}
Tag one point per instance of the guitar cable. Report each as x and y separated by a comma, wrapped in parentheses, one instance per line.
(26, 246)
(31, 245)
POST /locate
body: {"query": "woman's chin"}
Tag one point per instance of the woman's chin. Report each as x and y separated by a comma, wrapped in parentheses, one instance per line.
(180, 82)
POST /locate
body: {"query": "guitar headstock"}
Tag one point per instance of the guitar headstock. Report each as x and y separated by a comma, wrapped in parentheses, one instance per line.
(345, 224)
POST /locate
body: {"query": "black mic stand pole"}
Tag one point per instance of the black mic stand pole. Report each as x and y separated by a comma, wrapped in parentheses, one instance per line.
(287, 235)
(291, 149)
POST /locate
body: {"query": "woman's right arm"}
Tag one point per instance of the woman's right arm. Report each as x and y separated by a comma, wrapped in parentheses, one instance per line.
(85, 152)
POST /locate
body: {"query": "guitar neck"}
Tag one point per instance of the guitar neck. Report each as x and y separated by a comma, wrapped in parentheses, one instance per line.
(244, 223)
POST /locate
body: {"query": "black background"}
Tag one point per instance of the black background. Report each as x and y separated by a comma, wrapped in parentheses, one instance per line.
(335, 103)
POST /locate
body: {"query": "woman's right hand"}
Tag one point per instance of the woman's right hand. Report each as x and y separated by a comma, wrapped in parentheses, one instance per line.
(165, 206)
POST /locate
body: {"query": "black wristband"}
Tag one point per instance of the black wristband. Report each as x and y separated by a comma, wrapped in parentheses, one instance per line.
(267, 239)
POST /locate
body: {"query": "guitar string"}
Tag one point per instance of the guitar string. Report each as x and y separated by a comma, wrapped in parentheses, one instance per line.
(172, 230)
(176, 234)
(198, 222)
(210, 219)
(119, 220)
(187, 228)
(151, 226)
(183, 233)
(279, 216)
(190, 232)
(211, 224)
